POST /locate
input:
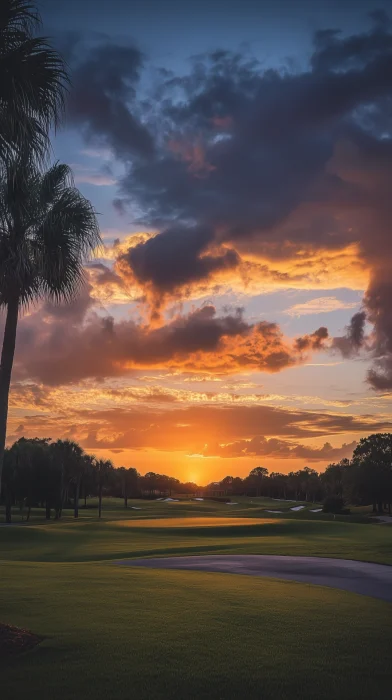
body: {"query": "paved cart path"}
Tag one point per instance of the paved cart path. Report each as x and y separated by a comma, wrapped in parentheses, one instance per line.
(373, 580)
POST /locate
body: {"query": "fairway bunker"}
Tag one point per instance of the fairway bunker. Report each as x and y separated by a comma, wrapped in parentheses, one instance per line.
(373, 580)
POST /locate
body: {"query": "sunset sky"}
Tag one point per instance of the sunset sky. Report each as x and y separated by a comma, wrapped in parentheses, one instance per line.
(240, 157)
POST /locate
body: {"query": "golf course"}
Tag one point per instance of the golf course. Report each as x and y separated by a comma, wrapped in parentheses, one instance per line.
(112, 631)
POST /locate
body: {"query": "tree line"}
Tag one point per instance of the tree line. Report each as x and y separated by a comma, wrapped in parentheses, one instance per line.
(54, 475)
(365, 479)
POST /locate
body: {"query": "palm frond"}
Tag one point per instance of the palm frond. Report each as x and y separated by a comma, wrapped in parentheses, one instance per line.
(18, 15)
(33, 81)
(66, 238)
(48, 230)
(53, 183)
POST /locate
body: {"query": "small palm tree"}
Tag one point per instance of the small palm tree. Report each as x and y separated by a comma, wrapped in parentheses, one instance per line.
(104, 471)
(47, 231)
(33, 81)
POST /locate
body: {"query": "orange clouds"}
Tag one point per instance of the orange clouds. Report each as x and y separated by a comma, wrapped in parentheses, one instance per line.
(224, 270)
(277, 448)
(221, 431)
(55, 352)
(221, 271)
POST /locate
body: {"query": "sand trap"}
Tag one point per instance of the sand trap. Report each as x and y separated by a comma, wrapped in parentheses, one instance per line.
(170, 500)
(198, 499)
(316, 510)
(373, 580)
(136, 508)
(232, 504)
(298, 508)
(274, 511)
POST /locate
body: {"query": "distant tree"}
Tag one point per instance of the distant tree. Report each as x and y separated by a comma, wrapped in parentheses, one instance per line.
(309, 482)
(27, 477)
(68, 462)
(9, 479)
(47, 230)
(104, 470)
(371, 473)
(257, 478)
(128, 482)
(278, 485)
(79, 464)
(333, 478)
(151, 482)
(88, 478)
(237, 486)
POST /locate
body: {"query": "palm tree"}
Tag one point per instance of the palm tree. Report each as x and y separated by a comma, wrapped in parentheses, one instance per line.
(104, 470)
(81, 463)
(85, 472)
(33, 81)
(47, 230)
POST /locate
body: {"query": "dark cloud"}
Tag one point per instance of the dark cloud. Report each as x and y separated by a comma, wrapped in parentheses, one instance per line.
(335, 52)
(378, 300)
(278, 133)
(102, 99)
(313, 341)
(234, 159)
(350, 343)
(267, 162)
(58, 353)
(55, 353)
(173, 259)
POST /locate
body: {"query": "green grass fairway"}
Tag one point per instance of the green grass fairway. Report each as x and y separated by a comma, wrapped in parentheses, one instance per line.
(117, 633)
(194, 528)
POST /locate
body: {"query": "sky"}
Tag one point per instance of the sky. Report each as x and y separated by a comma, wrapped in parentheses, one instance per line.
(239, 156)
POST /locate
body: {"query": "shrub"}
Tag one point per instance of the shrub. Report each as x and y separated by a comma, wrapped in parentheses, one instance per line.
(333, 504)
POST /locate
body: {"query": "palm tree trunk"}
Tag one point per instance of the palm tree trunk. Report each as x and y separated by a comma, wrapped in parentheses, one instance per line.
(7, 359)
(100, 501)
(76, 502)
(8, 506)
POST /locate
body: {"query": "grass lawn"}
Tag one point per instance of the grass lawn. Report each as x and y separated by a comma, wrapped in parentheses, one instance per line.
(119, 633)
(194, 528)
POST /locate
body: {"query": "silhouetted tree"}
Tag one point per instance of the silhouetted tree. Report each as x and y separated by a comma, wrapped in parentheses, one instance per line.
(257, 479)
(32, 82)
(128, 482)
(371, 472)
(47, 230)
(333, 478)
(104, 469)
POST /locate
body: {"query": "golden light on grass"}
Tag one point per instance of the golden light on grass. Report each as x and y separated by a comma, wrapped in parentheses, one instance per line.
(189, 521)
